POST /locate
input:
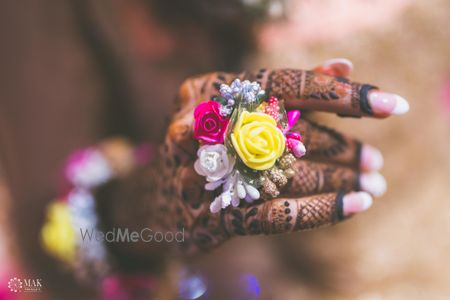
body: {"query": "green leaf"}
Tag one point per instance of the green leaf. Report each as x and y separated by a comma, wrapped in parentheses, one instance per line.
(220, 99)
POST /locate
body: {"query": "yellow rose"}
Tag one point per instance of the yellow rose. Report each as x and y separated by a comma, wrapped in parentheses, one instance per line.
(58, 235)
(257, 140)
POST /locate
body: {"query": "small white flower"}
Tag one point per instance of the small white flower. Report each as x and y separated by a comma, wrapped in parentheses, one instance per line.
(226, 110)
(226, 91)
(214, 163)
(244, 91)
(234, 190)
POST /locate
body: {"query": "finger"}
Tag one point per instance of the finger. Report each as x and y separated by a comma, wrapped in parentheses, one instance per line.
(312, 178)
(319, 92)
(324, 144)
(302, 90)
(339, 67)
(288, 214)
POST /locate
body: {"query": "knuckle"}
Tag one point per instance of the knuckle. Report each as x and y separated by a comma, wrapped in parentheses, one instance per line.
(281, 216)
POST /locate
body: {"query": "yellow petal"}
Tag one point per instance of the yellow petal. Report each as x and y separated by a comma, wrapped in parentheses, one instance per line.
(261, 117)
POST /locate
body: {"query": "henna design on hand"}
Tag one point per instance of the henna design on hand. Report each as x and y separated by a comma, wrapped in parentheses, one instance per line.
(314, 90)
(170, 196)
(327, 145)
(300, 88)
(285, 215)
(316, 178)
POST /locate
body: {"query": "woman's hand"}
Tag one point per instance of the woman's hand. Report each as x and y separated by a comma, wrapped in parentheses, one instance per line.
(335, 179)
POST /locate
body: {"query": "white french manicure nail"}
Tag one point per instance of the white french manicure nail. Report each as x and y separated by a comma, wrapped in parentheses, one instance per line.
(356, 202)
(401, 106)
(371, 158)
(373, 183)
(385, 104)
(343, 61)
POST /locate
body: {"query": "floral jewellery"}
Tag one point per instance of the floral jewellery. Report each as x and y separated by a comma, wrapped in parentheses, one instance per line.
(247, 145)
(74, 212)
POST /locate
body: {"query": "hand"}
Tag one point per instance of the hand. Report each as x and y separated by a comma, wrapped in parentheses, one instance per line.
(333, 181)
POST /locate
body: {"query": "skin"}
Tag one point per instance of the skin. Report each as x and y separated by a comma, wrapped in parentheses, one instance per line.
(170, 196)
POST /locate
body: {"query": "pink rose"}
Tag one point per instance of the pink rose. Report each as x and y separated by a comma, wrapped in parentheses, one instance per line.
(209, 125)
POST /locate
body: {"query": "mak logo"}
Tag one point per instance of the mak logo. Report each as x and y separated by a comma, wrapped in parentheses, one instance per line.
(15, 285)
(24, 285)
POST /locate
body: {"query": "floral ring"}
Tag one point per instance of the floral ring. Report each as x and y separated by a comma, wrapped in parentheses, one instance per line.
(246, 144)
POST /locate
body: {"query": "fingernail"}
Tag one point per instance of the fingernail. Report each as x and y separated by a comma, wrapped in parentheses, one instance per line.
(388, 104)
(373, 183)
(356, 202)
(371, 158)
(342, 61)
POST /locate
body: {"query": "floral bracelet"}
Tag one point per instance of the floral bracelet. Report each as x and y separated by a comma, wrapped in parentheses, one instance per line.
(85, 170)
(247, 145)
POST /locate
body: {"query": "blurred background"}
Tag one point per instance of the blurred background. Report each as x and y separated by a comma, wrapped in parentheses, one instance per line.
(74, 72)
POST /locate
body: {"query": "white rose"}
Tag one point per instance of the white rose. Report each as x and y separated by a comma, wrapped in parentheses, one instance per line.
(214, 162)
